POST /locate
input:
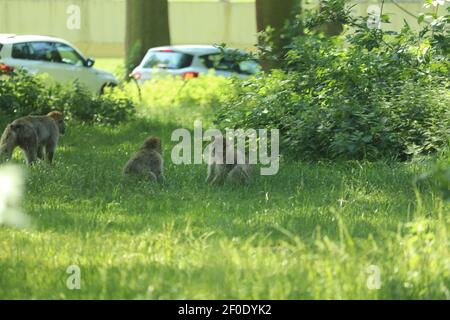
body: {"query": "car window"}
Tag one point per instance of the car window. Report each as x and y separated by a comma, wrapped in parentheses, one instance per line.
(69, 55)
(219, 62)
(21, 51)
(250, 67)
(226, 63)
(44, 51)
(168, 60)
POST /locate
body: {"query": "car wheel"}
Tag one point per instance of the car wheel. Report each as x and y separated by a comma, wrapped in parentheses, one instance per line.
(107, 85)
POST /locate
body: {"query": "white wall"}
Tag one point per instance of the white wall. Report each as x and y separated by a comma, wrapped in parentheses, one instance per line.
(102, 29)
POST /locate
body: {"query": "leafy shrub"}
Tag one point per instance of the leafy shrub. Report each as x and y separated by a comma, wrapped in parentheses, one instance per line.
(24, 94)
(375, 95)
(109, 108)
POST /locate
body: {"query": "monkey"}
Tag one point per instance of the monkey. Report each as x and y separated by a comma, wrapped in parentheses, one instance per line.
(147, 163)
(220, 172)
(33, 134)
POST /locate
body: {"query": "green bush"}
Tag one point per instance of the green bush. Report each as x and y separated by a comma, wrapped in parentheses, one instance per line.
(23, 94)
(109, 108)
(372, 95)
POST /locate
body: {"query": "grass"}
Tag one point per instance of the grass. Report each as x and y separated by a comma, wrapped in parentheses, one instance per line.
(310, 232)
(210, 0)
(109, 64)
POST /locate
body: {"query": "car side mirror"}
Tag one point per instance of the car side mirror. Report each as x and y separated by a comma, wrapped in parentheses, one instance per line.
(89, 62)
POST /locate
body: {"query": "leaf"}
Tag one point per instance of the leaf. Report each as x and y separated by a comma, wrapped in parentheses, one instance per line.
(420, 18)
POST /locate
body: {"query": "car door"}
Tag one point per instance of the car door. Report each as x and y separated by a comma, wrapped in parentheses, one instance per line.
(227, 66)
(222, 65)
(45, 57)
(22, 58)
(72, 66)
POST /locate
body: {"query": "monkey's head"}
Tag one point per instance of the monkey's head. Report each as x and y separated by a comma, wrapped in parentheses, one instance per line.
(153, 144)
(224, 148)
(59, 119)
(9, 140)
(220, 144)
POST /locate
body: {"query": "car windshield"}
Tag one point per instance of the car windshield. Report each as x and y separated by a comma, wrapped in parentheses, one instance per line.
(68, 55)
(168, 60)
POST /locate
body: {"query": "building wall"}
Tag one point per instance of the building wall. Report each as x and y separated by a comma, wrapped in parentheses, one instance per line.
(102, 28)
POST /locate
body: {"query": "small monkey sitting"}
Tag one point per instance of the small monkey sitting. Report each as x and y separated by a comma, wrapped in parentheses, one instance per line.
(219, 171)
(147, 163)
(33, 134)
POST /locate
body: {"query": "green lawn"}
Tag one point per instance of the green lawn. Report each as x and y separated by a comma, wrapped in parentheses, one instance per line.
(312, 231)
(210, 0)
(109, 64)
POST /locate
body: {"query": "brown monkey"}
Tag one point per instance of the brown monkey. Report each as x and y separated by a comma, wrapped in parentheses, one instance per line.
(33, 134)
(147, 163)
(219, 171)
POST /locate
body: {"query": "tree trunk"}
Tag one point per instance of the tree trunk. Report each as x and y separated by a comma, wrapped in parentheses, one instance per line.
(147, 26)
(273, 13)
(332, 28)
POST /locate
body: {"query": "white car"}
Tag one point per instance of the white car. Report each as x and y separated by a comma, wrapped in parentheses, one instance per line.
(56, 57)
(189, 61)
